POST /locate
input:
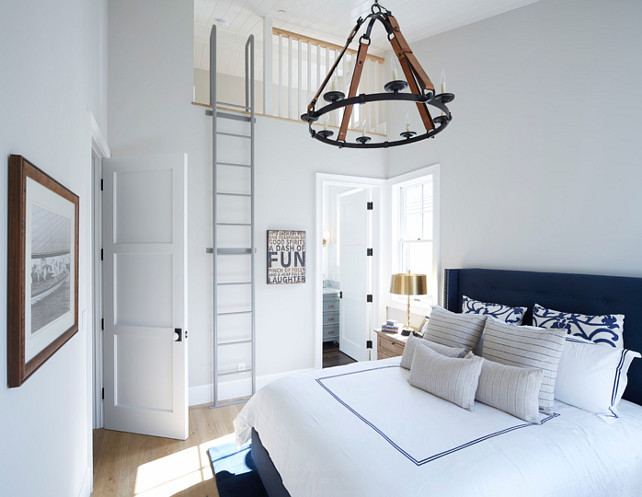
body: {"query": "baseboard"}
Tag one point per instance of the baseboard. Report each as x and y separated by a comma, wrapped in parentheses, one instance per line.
(85, 490)
(203, 394)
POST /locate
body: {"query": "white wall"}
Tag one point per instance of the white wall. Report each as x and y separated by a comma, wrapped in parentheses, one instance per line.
(150, 89)
(540, 165)
(230, 89)
(53, 74)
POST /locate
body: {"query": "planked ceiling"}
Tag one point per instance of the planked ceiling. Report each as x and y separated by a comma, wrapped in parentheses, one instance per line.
(329, 20)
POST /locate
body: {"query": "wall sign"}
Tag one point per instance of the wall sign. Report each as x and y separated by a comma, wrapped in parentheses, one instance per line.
(285, 257)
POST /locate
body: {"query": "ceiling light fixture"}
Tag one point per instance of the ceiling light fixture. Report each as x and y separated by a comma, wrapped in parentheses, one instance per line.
(422, 91)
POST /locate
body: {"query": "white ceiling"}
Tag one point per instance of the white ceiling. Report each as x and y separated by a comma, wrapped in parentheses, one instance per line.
(331, 20)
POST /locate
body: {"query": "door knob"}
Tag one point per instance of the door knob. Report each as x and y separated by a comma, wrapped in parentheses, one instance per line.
(178, 334)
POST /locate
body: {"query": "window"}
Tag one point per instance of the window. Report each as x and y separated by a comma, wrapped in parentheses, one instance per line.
(414, 234)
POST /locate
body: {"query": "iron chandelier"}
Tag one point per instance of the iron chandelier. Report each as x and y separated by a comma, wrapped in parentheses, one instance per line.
(422, 91)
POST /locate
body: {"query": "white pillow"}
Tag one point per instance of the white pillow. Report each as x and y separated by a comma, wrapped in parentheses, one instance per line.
(528, 347)
(454, 330)
(454, 380)
(506, 313)
(412, 343)
(593, 376)
(511, 389)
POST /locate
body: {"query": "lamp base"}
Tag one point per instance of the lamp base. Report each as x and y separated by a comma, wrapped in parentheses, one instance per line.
(406, 332)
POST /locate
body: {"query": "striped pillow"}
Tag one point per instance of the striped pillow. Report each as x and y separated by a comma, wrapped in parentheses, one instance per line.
(528, 347)
(454, 380)
(412, 343)
(454, 330)
(511, 389)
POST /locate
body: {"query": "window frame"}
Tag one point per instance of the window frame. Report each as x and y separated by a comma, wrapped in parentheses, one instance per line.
(397, 186)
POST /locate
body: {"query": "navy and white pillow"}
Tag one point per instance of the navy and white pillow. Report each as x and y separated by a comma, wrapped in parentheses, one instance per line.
(607, 329)
(506, 313)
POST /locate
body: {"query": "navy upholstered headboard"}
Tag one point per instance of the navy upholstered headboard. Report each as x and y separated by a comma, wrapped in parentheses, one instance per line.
(581, 293)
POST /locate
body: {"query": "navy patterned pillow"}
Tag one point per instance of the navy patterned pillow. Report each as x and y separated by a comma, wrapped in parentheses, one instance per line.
(606, 329)
(510, 315)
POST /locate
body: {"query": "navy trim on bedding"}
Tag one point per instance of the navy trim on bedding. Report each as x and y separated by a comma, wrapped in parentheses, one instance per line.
(616, 382)
(417, 462)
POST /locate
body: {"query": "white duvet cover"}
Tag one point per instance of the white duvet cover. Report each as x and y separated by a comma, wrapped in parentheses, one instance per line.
(362, 430)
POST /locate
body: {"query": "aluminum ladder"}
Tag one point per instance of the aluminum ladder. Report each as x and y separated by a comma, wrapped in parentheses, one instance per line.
(245, 114)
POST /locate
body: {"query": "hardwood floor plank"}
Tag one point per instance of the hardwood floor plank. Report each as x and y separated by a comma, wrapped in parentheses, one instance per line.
(332, 356)
(127, 464)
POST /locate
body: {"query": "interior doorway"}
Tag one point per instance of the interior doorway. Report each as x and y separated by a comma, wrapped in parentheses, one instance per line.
(348, 230)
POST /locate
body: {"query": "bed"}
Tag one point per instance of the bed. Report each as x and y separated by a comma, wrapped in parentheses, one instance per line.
(362, 429)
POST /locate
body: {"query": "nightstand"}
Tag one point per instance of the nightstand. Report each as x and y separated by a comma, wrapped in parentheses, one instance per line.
(389, 344)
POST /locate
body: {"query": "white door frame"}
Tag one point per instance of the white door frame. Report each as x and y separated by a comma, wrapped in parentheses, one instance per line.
(376, 186)
(99, 151)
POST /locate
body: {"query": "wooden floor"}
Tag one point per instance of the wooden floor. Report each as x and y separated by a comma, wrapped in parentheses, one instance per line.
(332, 356)
(137, 465)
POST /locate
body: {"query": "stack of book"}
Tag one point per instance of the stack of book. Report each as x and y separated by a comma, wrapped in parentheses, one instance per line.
(391, 326)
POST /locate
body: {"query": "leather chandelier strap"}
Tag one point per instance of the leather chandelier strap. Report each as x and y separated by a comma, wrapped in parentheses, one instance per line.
(417, 79)
(354, 86)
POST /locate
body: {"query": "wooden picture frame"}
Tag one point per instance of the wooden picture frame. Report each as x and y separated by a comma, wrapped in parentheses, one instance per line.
(285, 257)
(42, 300)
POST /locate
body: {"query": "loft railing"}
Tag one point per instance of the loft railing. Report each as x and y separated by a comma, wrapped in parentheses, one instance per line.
(300, 64)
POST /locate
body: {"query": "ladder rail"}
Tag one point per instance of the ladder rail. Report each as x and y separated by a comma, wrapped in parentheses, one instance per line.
(215, 250)
(249, 100)
(213, 100)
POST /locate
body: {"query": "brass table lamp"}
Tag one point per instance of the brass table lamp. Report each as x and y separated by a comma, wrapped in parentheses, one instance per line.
(408, 284)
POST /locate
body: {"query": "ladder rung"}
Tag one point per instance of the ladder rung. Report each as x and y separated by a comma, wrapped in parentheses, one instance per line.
(233, 164)
(229, 251)
(233, 251)
(232, 312)
(233, 224)
(237, 135)
(227, 115)
(227, 373)
(234, 342)
(235, 283)
(227, 104)
(230, 194)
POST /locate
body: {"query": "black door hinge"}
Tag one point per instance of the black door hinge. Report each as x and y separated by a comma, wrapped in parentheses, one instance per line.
(368, 344)
(101, 254)
(101, 185)
(369, 298)
(103, 394)
(370, 206)
(102, 323)
(369, 252)
(340, 295)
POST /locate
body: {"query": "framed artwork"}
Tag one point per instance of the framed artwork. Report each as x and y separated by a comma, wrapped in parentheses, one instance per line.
(42, 301)
(285, 257)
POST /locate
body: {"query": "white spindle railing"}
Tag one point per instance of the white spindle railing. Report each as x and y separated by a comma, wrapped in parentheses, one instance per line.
(298, 85)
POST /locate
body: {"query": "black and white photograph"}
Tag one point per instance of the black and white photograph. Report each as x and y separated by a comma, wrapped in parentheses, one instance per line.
(50, 271)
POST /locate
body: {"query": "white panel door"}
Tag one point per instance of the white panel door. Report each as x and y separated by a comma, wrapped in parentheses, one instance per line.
(145, 254)
(354, 273)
